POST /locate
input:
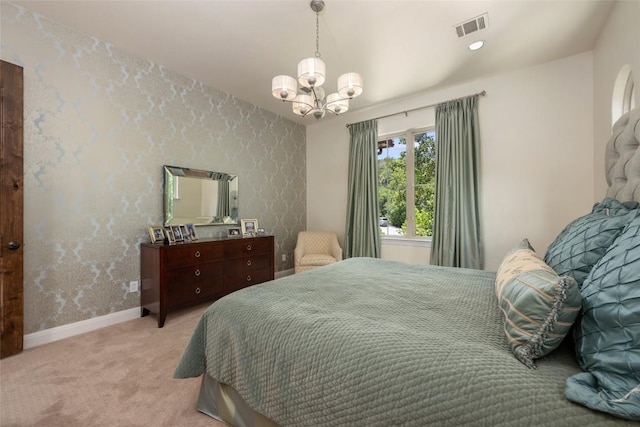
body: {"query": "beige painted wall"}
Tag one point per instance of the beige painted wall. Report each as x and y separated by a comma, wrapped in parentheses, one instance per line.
(537, 155)
(536, 137)
(618, 44)
(99, 125)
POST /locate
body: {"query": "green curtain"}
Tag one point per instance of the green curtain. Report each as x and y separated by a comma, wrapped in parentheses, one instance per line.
(456, 224)
(223, 198)
(362, 234)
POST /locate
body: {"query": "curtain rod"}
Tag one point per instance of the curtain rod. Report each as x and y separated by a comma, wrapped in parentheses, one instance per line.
(406, 112)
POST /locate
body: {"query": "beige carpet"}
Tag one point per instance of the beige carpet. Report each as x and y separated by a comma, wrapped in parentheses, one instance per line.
(121, 375)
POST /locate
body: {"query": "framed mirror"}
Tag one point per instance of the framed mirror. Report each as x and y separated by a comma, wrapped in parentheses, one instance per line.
(199, 197)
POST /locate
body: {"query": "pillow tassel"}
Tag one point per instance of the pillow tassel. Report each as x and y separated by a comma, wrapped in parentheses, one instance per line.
(533, 348)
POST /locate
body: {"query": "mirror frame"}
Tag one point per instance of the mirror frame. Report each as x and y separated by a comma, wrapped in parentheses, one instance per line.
(170, 173)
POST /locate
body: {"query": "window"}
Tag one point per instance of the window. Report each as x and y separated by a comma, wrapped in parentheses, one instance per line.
(406, 183)
(623, 99)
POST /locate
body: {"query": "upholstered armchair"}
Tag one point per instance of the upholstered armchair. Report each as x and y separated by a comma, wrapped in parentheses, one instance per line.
(315, 249)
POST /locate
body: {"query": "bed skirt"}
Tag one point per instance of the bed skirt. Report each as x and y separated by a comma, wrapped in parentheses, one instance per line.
(222, 402)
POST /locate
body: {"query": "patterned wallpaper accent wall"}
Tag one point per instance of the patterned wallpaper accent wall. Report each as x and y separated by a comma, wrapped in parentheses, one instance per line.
(99, 125)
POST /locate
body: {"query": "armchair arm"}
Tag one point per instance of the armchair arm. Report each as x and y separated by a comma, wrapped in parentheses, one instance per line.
(298, 252)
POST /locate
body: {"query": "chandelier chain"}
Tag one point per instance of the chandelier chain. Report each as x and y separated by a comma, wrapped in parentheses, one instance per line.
(317, 35)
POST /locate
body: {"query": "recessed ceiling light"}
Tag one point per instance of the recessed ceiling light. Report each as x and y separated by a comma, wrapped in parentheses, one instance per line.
(476, 45)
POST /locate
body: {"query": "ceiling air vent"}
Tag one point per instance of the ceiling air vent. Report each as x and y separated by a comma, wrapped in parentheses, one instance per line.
(476, 24)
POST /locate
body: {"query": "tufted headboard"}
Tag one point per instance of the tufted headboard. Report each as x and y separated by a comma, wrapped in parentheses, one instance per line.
(623, 158)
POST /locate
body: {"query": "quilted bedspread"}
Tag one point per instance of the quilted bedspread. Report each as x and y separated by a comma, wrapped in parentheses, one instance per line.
(368, 342)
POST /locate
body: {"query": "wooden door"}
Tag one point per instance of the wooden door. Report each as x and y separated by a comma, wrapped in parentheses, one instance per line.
(11, 209)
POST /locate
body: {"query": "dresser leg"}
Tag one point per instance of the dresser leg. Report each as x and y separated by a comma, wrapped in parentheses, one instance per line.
(161, 318)
(144, 312)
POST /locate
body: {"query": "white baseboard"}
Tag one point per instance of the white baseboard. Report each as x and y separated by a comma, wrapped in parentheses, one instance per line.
(65, 331)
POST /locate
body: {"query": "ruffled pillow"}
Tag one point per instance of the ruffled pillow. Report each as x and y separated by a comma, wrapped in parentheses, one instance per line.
(584, 241)
(608, 336)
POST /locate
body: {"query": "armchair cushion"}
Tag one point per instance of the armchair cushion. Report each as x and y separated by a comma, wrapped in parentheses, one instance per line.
(317, 259)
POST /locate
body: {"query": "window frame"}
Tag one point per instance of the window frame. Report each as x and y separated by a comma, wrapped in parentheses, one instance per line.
(410, 239)
(623, 96)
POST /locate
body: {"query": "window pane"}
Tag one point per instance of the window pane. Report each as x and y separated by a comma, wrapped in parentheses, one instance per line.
(392, 185)
(424, 179)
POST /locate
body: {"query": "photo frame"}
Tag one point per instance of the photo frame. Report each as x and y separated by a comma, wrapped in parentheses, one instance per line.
(177, 233)
(156, 232)
(249, 226)
(190, 230)
(185, 234)
(169, 234)
(234, 232)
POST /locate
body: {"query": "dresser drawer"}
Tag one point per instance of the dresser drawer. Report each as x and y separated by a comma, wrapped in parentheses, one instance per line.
(194, 283)
(197, 273)
(182, 293)
(245, 247)
(239, 280)
(243, 265)
(193, 253)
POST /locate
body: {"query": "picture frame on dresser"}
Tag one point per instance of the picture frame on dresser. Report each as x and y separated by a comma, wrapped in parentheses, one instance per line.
(190, 229)
(169, 233)
(177, 233)
(156, 232)
(185, 233)
(249, 226)
(234, 232)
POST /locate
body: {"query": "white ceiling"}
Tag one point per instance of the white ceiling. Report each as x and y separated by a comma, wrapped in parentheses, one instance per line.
(399, 47)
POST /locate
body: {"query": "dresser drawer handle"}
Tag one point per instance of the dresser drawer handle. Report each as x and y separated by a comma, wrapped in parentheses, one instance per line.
(197, 254)
(198, 290)
(248, 262)
(248, 278)
(197, 273)
(248, 247)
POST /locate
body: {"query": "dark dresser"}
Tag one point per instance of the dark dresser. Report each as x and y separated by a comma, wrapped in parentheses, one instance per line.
(183, 274)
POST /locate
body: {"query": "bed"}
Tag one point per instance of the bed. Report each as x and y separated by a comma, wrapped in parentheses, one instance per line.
(369, 342)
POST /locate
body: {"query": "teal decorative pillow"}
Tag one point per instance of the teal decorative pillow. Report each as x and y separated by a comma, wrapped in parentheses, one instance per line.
(583, 242)
(608, 336)
(538, 306)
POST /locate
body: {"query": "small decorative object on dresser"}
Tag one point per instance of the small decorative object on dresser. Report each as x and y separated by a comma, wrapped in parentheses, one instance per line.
(185, 233)
(249, 226)
(191, 231)
(177, 233)
(175, 276)
(233, 232)
(156, 233)
(169, 233)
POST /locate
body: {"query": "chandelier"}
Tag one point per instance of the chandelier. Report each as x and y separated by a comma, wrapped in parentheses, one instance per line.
(311, 76)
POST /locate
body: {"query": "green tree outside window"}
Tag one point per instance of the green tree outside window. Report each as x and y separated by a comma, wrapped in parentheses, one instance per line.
(394, 174)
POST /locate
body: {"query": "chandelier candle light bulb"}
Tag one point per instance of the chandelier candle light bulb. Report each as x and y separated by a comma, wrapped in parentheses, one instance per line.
(284, 87)
(337, 104)
(350, 85)
(303, 104)
(311, 76)
(311, 72)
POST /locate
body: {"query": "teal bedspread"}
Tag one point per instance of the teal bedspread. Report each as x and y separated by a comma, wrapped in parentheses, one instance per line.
(368, 342)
